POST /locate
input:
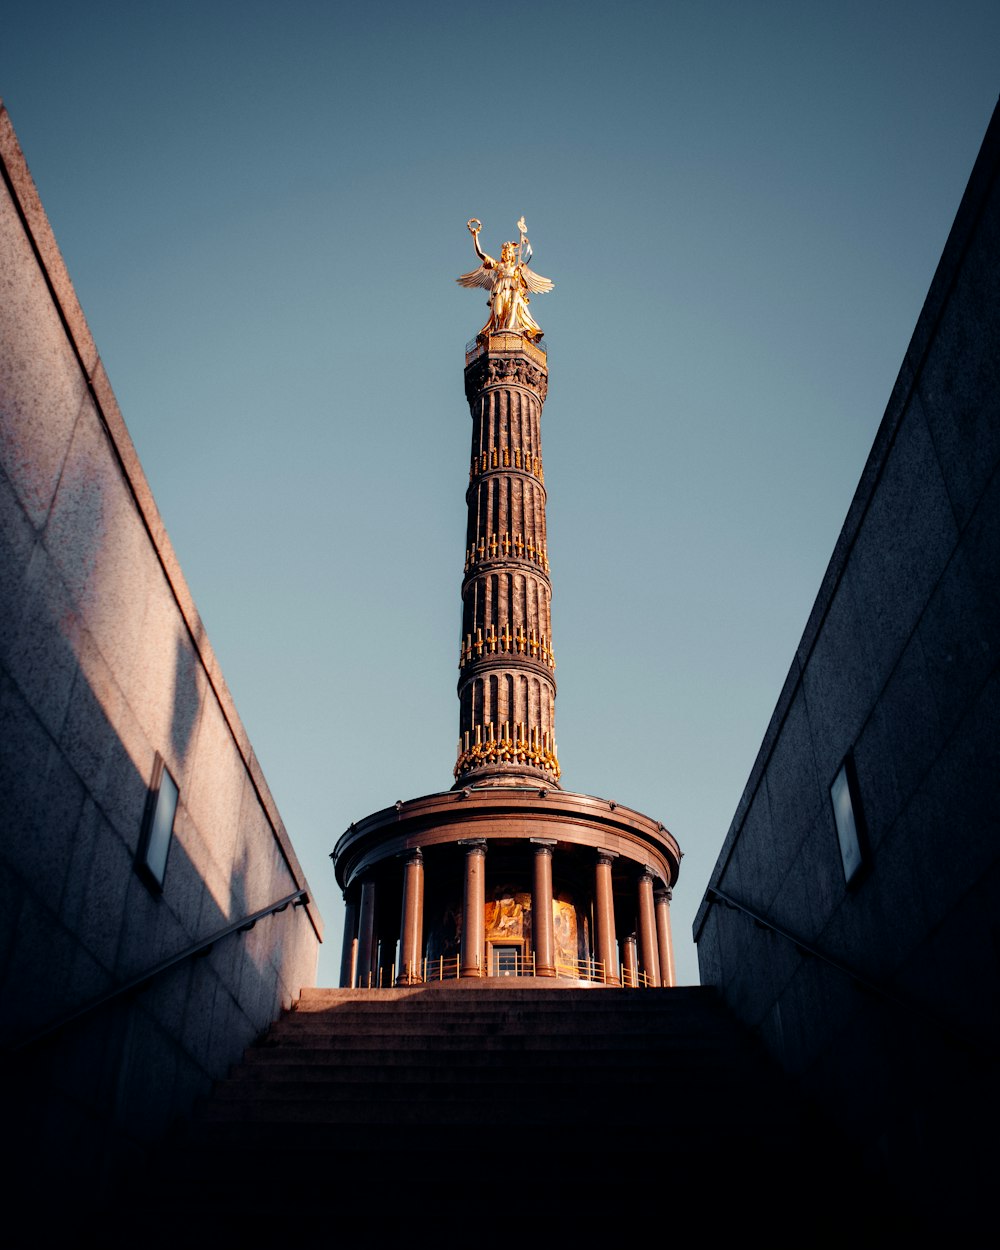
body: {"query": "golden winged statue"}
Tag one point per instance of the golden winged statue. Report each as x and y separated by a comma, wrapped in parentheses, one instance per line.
(508, 281)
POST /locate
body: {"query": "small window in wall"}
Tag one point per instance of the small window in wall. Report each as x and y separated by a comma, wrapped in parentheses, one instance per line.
(847, 813)
(158, 826)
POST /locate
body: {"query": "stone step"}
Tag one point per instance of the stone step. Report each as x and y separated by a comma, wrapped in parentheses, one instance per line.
(457, 1006)
(563, 1004)
(436, 997)
(577, 1107)
(512, 1041)
(565, 1024)
(566, 1021)
(261, 1062)
(742, 1089)
(435, 1144)
(354, 1079)
(515, 1041)
(333, 1021)
(402, 1104)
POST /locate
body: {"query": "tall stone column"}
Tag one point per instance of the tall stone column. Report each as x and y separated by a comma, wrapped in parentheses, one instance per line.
(411, 924)
(542, 934)
(506, 685)
(473, 906)
(648, 953)
(630, 961)
(366, 936)
(664, 939)
(349, 951)
(604, 915)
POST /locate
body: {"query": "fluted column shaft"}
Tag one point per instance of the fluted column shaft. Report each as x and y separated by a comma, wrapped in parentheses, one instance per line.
(506, 685)
(366, 935)
(473, 906)
(664, 940)
(604, 916)
(542, 932)
(630, 961)
(349, 951)
(648, 953)
(411, 923)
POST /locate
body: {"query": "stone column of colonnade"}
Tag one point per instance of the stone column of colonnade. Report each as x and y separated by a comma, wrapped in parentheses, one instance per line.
(411, 925)
(646, 955)
(664, 939)
(366, 973)
(349, 953)
(543, 932)
(604, 917)
(630, 961)
(506, 684)
(473, 908)
(648, 950)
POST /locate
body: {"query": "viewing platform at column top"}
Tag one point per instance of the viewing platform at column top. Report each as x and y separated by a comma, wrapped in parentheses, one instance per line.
(505, 341)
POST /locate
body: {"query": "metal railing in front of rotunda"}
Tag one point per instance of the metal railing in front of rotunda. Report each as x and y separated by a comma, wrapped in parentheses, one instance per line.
(431, 971)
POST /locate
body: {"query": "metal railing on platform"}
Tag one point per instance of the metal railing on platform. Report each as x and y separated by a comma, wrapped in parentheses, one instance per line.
(504, 341)
(513, 965)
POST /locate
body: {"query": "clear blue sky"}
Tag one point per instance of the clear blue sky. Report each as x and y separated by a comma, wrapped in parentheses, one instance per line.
(263, 207)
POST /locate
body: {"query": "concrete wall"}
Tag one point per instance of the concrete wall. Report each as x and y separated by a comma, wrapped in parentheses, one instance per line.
(103, 664)
(898, 665)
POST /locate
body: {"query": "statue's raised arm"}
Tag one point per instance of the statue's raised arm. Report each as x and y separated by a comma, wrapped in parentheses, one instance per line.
(484, 275)
(474, 226)
(508, 280)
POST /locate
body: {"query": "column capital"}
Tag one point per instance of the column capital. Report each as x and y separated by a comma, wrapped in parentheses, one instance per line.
(606, 857)
(664, 892)
(473, 846)
(543, 846)
(412, 855)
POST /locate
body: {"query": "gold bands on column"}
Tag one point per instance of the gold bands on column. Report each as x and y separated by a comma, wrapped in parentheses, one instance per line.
(507, 744)
(520, 641)
(506, 458)
(507, 546)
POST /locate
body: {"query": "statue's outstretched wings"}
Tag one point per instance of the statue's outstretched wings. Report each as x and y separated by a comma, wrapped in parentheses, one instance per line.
(478, 277)
(486, 277)
(534, 281)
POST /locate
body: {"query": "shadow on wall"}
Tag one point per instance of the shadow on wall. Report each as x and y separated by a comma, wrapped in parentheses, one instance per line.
(78, 920)
(187, 699)
(99, 677)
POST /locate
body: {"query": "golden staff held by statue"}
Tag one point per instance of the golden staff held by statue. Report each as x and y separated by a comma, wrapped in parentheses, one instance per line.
(508, 281)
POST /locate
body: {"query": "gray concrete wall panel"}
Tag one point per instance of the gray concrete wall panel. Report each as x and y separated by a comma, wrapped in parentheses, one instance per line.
(793, 786)
(40, 380)
(904, 542)
(960, 379)
(841, 679)
(103, 664)
(898, 668)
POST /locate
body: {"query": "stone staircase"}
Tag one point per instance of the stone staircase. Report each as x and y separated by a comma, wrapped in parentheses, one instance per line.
(402, 1103)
